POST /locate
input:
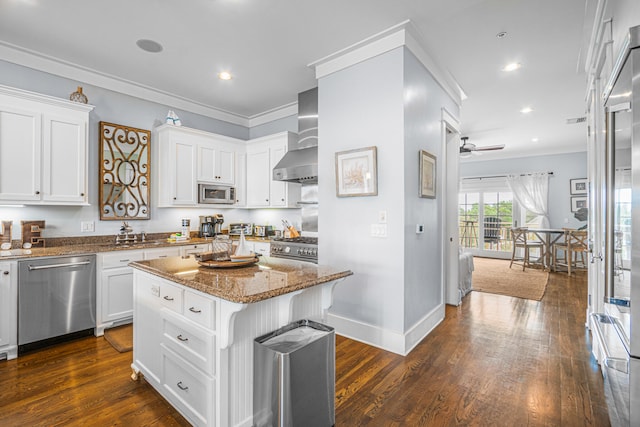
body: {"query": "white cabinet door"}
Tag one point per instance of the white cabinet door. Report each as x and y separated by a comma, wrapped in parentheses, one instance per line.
(64, 159)
(147, 333)
(278, 191)
(20, 142)
(184, 173)
(263, 154)
(194, 249)
(117, 294)
(8, 309)
(258, 184)
(216, 164)
(241, 181)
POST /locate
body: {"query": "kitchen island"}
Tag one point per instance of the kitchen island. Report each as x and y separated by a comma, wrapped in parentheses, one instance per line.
(194, 327)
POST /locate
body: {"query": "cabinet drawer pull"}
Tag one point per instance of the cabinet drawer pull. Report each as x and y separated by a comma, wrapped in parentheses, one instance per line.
(182, 387)
(194, 310)
(6, 273)
(125, 260)
(162, 256)
(181, 338)
(168, 298)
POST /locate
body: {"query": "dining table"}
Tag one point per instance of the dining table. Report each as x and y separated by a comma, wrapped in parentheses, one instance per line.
(548, 236)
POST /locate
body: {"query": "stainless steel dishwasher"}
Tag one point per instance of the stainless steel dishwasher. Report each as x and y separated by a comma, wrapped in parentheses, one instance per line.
(56, 300)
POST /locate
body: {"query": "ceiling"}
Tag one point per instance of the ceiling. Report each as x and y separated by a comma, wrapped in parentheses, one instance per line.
(268, 44)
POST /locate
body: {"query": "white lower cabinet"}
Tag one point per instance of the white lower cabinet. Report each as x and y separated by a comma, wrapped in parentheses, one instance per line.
(115, 288)
(194, 249)
(115, 282)
(8, 310)
(175, 345)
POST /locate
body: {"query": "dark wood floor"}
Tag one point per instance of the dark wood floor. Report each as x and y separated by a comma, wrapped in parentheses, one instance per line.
(495, 360)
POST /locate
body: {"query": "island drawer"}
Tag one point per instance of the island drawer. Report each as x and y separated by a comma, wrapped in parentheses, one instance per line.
(171, 296)
(192, 342)
(200, 309)
(187, 388)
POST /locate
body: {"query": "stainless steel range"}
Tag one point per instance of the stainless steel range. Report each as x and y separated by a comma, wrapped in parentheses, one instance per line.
(298, 248)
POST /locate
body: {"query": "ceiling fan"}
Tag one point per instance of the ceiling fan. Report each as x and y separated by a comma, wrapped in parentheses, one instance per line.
(468, 148)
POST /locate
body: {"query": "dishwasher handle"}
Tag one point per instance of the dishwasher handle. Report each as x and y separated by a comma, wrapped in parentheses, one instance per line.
(67, 264)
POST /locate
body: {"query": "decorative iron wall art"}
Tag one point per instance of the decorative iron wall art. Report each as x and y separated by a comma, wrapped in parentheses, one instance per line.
(124, 172)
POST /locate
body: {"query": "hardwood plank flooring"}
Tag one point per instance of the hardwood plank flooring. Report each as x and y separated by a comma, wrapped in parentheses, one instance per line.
(495, 360)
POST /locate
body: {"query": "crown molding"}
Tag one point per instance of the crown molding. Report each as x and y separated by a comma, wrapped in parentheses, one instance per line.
(38, 61)
(402, 34)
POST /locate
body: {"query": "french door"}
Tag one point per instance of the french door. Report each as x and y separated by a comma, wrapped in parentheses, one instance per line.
(485, 221)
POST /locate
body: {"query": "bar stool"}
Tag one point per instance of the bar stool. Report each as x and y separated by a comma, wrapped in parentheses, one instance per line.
(565, 254)
(520, 241)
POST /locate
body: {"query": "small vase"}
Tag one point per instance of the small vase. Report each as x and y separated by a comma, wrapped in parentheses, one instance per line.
(78, 96)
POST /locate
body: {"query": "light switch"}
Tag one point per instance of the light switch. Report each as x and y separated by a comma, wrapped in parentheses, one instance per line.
(378, 230)
(382, 217)
(87, 226)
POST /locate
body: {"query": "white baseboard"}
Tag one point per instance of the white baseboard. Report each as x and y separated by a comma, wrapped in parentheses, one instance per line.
(395, 342)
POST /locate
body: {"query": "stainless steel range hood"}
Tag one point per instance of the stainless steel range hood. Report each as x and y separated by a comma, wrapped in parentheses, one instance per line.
(300, 164)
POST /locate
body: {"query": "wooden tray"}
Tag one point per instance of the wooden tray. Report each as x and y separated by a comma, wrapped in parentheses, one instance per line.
(228, 264)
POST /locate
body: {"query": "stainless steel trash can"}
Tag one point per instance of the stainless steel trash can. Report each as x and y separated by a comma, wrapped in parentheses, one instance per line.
(294, 376)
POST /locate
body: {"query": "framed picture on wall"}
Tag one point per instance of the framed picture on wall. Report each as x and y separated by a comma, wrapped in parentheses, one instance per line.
(427, 175)
(579, 202)
(357, 172)
(579, 186)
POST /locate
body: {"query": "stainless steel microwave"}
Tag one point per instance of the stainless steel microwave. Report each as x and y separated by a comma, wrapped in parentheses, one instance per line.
(216, 194)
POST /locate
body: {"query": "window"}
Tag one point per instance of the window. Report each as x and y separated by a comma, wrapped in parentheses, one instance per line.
(485, 220)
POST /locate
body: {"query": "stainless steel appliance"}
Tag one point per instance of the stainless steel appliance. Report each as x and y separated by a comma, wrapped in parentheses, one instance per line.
(617, 330)
(237, 228)
(299, 248)
(300, 163)
(56, 300)
(210, 225)
(216, 194)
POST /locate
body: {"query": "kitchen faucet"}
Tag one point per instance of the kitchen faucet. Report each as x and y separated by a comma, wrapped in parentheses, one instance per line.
(126, 234)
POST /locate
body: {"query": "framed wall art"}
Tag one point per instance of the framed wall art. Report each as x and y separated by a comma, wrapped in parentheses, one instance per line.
(578, 202)
(427, 175)
(578, 186)
(357, 172)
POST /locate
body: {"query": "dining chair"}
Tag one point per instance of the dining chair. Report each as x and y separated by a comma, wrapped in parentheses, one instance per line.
(492, 230)
(521, 242)
(572, 252)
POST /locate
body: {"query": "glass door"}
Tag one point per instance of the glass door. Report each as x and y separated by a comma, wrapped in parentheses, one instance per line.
(485, 221)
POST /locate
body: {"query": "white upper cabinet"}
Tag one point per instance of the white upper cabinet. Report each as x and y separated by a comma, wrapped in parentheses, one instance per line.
(189, 156)
(43, 149)
(262, 156)
(216, 162)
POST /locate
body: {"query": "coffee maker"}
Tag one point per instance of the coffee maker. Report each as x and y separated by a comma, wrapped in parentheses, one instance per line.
(210, 225)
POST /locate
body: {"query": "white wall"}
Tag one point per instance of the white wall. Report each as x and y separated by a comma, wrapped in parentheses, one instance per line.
(423, 103)
(362, 106)
(392, 102)
(564, 167)
(126, 110)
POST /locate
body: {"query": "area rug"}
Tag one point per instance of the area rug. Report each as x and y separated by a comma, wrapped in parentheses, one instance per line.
(495, 277)
(120, 338)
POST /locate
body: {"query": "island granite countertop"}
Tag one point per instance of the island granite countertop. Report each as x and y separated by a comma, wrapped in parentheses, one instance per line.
(268, 278)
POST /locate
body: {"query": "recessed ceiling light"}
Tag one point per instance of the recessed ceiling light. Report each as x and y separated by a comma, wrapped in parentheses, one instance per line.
(526, 110)
(224, 75)
(512, 67)
(501, 34)
(149, 45)
(534, 140)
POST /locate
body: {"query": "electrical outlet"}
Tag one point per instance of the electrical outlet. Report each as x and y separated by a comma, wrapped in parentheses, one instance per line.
(87, 226)
(378, 230)
(382, 217)
(155, 290)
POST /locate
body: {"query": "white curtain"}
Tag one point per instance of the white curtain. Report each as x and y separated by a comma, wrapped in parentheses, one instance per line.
(532, 192)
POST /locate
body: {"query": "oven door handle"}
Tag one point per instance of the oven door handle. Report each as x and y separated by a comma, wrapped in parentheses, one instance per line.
(49, 266)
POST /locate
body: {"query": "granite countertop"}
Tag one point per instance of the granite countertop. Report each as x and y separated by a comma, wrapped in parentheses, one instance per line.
(77, 247)
(268, 278)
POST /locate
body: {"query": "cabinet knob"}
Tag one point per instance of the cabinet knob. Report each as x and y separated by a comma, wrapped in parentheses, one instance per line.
(266, 200)
(175, 198)
(282, 200)
(37, 192)
(82, 194)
